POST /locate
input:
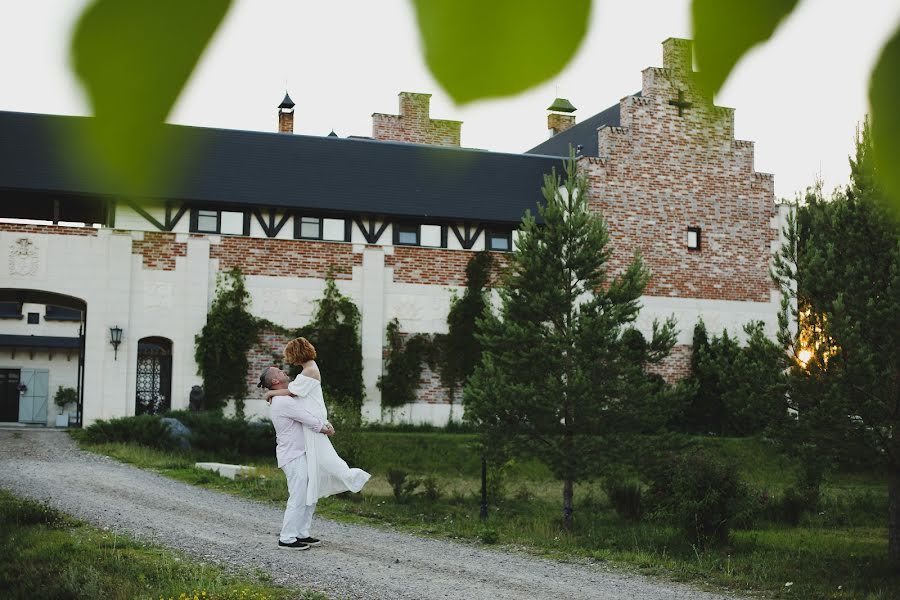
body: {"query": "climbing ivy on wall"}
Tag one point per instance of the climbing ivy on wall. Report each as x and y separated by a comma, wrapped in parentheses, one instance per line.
(223, 343)
(459, 351)
(334, 331)
(403, 366)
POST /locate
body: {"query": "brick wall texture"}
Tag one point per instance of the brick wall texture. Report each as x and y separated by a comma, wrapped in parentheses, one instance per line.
(414, 124)
(437, 266)
(286, 258)
(268, 351)
(660, 173)
(47, 229)
(159, 250)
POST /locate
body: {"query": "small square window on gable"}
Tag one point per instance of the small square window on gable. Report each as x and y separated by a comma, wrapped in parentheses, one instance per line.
(307, 228)
(406, 235)
(34, 318)
(499, 241)
(693, 238)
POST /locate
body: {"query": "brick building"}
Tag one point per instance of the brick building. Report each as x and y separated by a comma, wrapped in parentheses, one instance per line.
(394, 217)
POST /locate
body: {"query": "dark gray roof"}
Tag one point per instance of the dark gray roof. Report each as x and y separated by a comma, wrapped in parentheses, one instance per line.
(38, 341)
(328, 174)
(583, 134)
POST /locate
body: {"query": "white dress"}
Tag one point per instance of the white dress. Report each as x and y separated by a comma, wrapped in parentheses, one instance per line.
(328, 473)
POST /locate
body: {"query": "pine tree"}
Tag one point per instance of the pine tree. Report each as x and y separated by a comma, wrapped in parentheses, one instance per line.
(557, 381)
(845, 383)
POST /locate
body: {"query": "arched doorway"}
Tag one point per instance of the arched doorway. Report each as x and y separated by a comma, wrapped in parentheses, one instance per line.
(154, 376)
(24, 390)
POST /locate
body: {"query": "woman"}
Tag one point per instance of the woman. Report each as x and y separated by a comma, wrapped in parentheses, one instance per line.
(328, 473)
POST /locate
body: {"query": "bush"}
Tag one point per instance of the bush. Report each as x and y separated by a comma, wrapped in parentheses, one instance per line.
(228, 437)
(65, 396)
(625, 497)
(432, 491)
(791, 506)
(210, 432)
(146, 430)
(488, 535)
(704, 496)
(403, 487)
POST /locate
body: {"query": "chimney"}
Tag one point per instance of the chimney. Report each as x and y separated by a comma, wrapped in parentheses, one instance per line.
(560, 117)
(286, 115)
(414, 124)
(678, 56)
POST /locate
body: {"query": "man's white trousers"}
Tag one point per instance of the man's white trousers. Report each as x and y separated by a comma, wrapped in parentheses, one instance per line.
(298, 515)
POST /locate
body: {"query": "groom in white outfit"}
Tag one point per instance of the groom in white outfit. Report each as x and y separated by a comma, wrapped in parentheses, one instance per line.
(289, 419)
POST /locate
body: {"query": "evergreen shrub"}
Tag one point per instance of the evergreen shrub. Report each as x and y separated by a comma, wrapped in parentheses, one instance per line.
(704, 496)
(401, 484)
(625, 497)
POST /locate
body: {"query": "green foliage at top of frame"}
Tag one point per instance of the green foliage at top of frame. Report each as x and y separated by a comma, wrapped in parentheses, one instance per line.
(133, 59)
(481, 50)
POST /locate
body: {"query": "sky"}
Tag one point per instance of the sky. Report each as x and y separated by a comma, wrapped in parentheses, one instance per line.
(800, 96)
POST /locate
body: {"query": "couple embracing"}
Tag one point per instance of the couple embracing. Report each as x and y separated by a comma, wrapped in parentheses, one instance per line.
(303, 448)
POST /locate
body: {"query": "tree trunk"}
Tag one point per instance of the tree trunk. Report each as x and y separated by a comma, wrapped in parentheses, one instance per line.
(567, 504)
(894, 518)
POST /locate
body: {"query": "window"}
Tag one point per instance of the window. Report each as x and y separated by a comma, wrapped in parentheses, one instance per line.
(10, 310)
(61, 313)
(231, 223)
(34, 318)
(499, 240)
(309, 228)
(432, 235)
(335, 230)
(207, 221)
(220, 221)
(693, 238)
(406, 235)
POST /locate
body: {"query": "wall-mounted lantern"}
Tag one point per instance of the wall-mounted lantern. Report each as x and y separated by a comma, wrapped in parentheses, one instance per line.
(115, 338)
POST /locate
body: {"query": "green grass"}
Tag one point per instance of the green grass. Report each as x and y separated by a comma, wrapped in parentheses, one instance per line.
(47, 554)
(839, 552)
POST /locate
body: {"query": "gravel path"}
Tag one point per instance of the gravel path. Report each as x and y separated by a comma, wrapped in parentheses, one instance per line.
(355, 561)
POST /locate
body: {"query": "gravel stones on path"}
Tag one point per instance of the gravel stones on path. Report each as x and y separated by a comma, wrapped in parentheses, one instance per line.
(354, 561)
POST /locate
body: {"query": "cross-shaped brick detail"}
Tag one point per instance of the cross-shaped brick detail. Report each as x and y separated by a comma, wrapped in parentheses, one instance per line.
(680, 103)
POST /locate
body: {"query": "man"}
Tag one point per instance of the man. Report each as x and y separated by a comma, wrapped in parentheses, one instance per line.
(289, 419)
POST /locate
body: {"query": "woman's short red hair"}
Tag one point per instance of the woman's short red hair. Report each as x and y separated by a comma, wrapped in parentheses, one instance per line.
(298, 351)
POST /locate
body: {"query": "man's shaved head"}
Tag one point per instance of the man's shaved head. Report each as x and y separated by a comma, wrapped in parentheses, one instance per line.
(265, 379)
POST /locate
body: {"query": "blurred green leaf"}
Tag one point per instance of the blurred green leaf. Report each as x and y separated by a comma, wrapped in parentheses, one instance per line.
(478, 49)
(133, 59)
(724, 31)
(884, 102)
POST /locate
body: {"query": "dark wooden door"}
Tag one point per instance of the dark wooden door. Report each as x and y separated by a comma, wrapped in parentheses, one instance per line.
(9, 395)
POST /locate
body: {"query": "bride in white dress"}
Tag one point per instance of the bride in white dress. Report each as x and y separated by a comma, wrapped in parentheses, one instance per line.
(329, 474)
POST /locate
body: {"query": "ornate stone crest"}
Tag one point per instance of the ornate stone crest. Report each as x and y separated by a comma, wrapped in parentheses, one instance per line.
(23, 257)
